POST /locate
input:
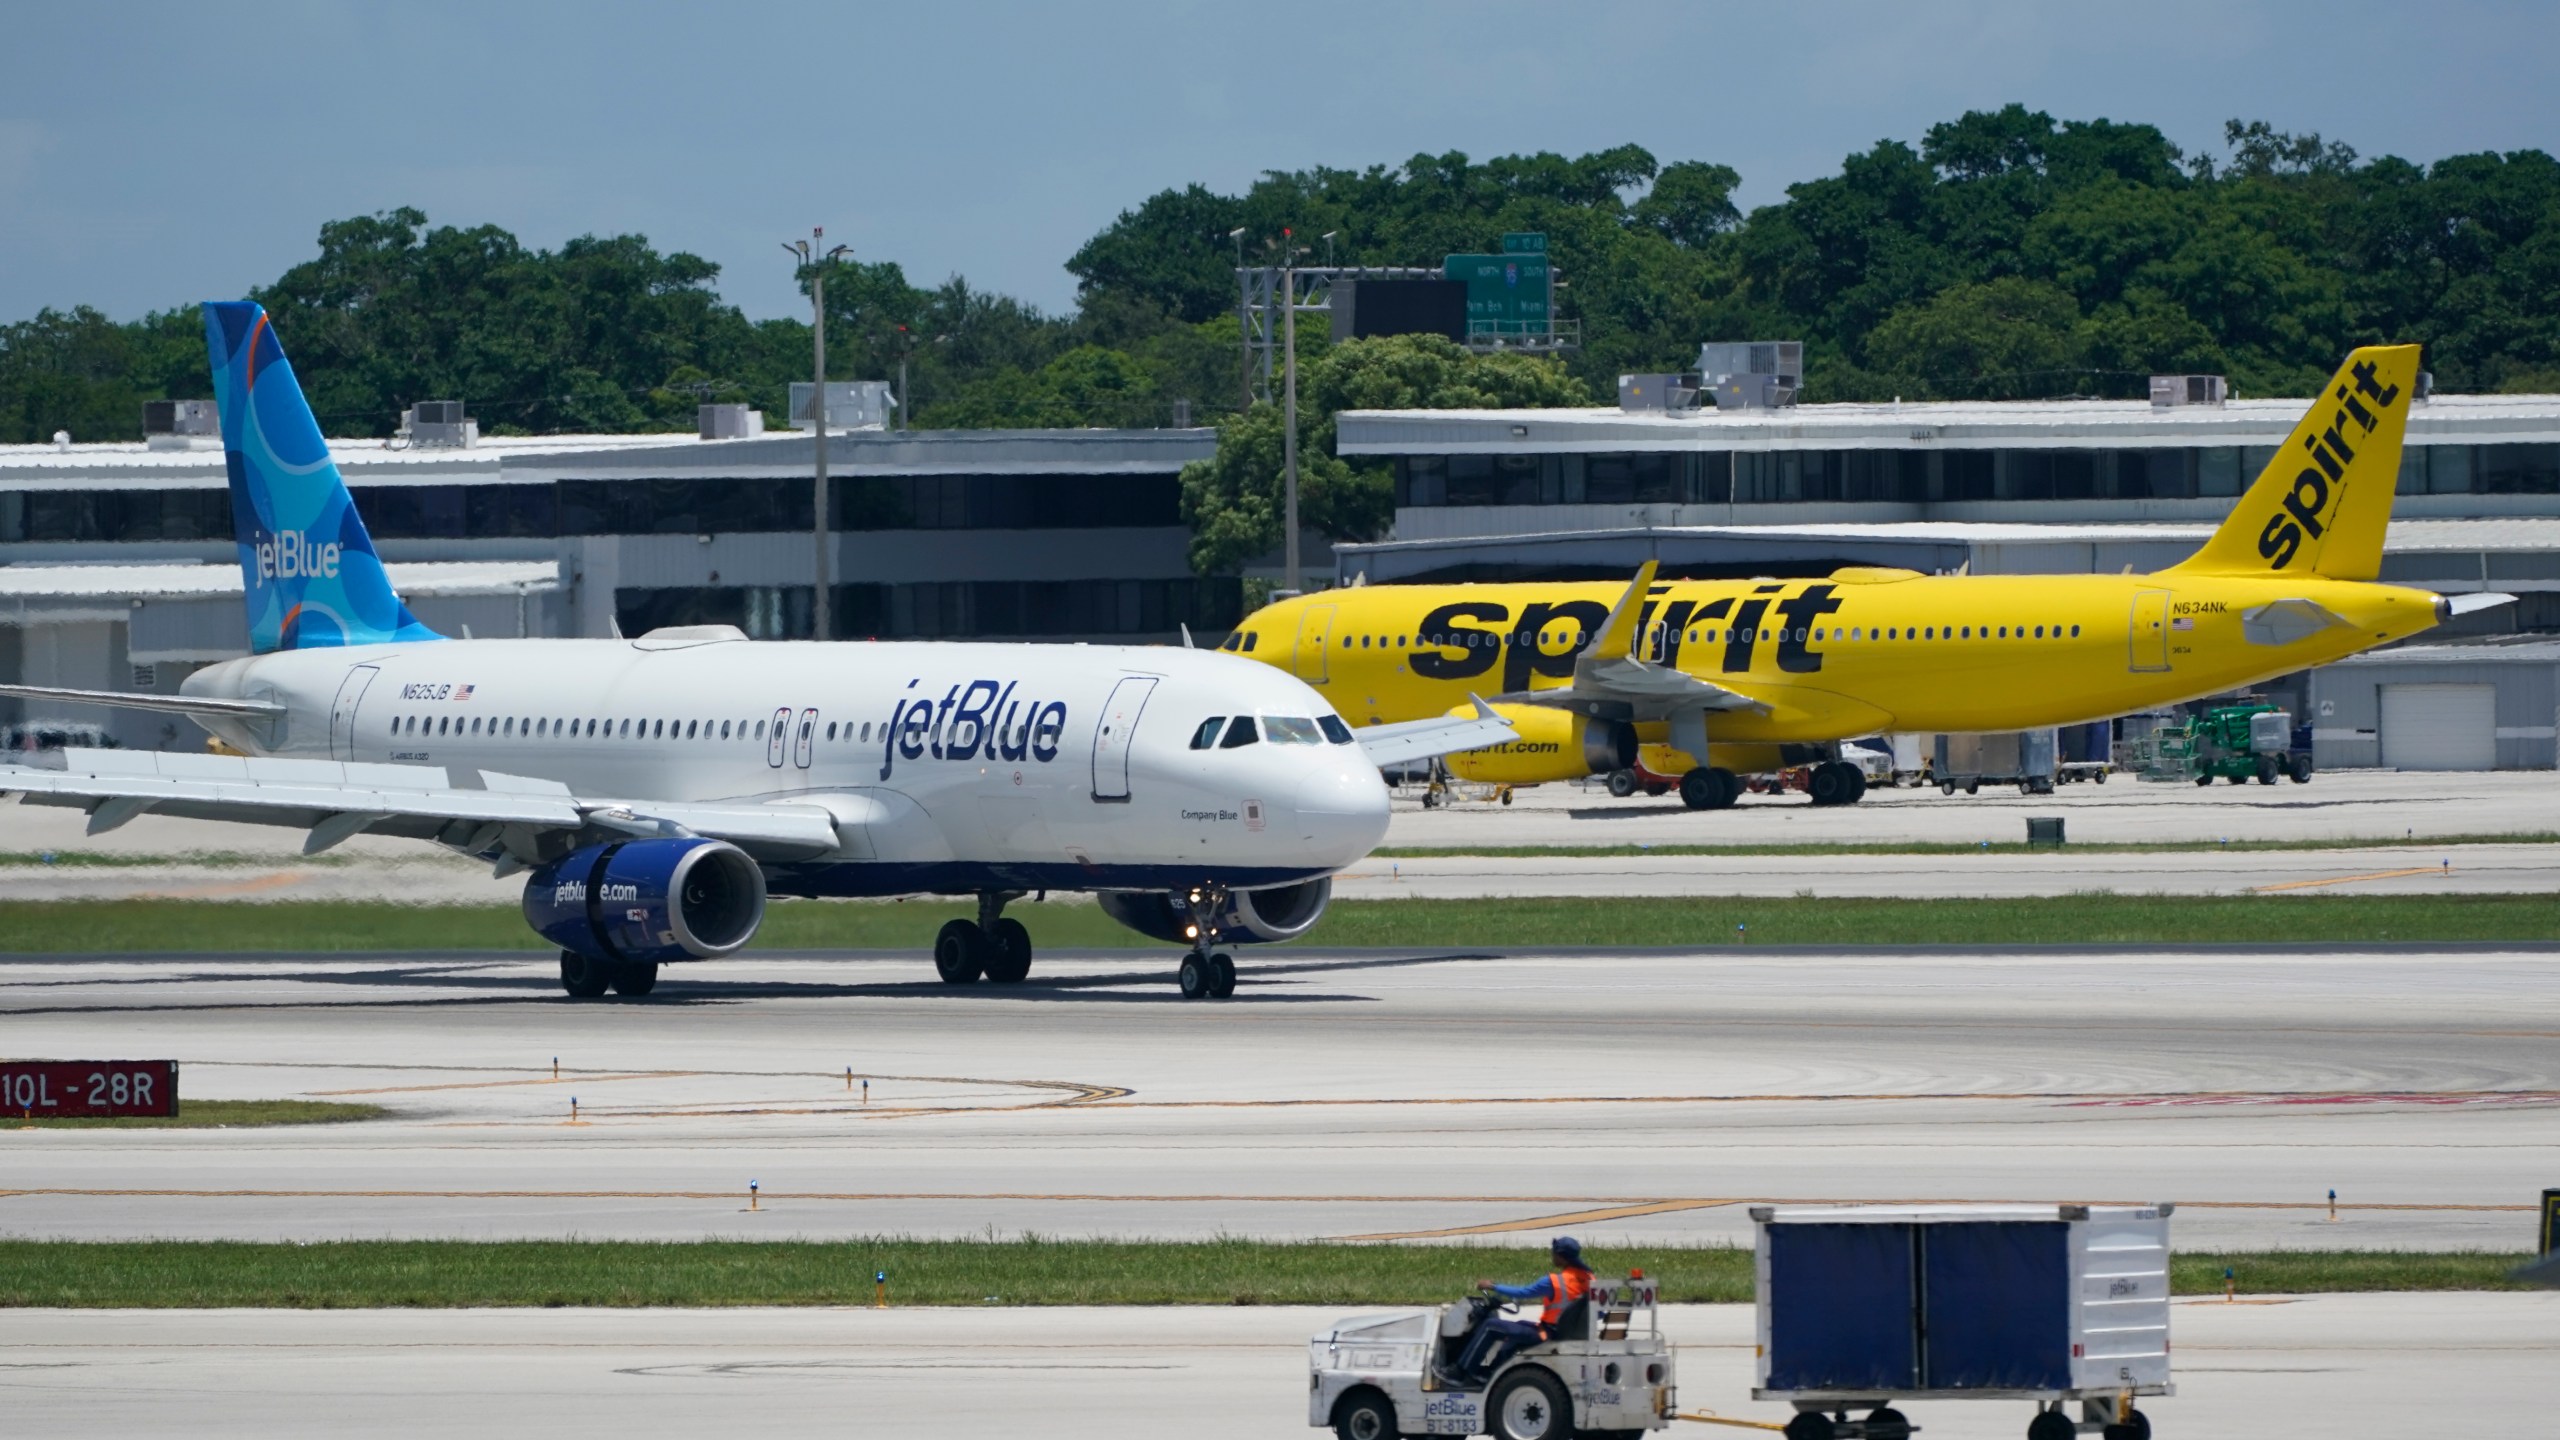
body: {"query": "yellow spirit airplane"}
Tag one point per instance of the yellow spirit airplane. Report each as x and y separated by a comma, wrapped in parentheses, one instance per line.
(1703, 679)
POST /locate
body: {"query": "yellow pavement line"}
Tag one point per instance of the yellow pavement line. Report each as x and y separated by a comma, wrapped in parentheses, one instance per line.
(1577, 1217)
(2352, 879)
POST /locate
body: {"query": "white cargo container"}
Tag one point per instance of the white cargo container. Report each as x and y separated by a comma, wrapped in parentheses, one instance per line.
(1864, 1305)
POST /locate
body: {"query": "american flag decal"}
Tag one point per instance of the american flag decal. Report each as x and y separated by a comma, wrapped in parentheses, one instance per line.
(2183, 622)
(461, 692)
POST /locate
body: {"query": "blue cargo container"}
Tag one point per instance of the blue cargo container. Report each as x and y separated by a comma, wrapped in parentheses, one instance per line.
(1860, 1306)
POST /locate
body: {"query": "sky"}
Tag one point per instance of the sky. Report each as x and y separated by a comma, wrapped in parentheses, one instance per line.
(158, 154)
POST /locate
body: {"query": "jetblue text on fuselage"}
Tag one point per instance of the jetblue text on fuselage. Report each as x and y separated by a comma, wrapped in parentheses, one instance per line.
(980, 719)
(292, 555)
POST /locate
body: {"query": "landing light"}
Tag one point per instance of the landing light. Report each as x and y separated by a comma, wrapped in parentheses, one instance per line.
(1190, 932)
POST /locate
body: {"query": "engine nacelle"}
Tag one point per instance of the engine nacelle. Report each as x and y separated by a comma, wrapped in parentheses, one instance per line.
(1553, 745)
(1283, 912)
(648, 900)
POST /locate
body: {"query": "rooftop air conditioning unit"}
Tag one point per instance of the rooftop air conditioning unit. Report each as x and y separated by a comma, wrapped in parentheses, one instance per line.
(730, 422)
(1752, 374)
(180, 424)
(2169, 391)
(437, 425)
(1648, 393)
(851, 405)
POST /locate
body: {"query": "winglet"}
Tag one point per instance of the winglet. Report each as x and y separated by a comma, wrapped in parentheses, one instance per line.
(1616, 637)
(1186, 638)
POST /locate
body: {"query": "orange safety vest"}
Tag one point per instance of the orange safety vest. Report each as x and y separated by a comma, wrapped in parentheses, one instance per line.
(1564, 1288)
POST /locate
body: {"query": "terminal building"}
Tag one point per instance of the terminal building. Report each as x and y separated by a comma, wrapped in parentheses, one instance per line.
(118, 570)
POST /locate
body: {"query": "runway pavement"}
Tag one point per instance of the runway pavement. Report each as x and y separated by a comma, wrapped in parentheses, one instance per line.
(2351, 1365)
(1412, 1094)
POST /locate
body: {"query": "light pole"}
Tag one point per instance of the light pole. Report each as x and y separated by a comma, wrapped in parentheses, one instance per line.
(816, 261)
(1289, 405)
(1244, 317)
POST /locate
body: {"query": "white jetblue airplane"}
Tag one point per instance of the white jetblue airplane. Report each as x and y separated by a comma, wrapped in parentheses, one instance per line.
(657, 791)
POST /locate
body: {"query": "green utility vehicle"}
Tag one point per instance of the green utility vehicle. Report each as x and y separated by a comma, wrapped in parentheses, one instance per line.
(2228, 741)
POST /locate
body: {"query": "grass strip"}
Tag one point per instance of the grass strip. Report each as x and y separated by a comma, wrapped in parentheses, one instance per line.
(1979, 847)
(211, 859)
(211, 1115)
(340, 927)
(373, 1274)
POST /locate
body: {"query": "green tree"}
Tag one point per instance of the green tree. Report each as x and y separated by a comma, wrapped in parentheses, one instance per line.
(1236, 503)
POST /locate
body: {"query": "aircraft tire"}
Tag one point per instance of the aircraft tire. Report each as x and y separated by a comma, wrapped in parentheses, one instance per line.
(635, 978)
(1857, 786)
(1709, 787)
(1195, 977)
(583, 978)
(1829, 785)
(960, 952)
(1008, 952)
(1222, 975)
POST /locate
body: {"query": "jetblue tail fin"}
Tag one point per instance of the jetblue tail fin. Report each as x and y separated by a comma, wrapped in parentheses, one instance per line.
(312, 576)
(2322, 504)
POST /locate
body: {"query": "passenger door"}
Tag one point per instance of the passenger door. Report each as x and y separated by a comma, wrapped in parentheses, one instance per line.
(777, 743)
(1112, 737)
(800, 744)
(342, 711)
(2150, 637)
(1315, 636)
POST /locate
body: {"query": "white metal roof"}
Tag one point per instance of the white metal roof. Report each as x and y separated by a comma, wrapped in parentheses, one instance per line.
(181, 581)
(2525, 534)
(2483, 652)
(1975, 424)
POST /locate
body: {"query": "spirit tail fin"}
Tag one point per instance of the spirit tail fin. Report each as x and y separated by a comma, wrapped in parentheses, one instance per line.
(2322, 504)
(312, 576)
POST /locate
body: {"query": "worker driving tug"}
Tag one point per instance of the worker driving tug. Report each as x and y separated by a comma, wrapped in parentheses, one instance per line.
(1567, 1293)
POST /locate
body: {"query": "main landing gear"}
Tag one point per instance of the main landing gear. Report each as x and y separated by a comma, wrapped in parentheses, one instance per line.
(1837, 782)
(586, 978)
(1207, 973)
(994, 945)
(1709, 788)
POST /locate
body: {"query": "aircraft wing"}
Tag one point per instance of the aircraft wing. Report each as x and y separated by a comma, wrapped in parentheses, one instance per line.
(335, 800)
(128, 700)
(1611, 679)
(1411, 740)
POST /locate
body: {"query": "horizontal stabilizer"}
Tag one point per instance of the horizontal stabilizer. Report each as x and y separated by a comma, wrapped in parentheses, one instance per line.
(1411, 740)
(127, 700)
(2484, 600)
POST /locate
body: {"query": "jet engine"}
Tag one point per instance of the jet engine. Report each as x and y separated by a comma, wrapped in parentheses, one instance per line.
(1283, 912)
(1553, 745)
(648, 900)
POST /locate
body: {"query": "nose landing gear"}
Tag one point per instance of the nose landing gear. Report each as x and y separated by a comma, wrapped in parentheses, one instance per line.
(1207, 973)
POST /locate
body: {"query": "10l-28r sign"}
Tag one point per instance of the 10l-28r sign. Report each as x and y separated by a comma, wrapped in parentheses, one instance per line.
(88, 1089)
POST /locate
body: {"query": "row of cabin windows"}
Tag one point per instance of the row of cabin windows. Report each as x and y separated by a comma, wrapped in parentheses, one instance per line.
(545, 728)
(1241, 731)
(1470, 639)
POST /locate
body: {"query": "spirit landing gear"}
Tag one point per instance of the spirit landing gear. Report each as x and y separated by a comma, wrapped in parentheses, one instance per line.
(993, 945)
(1709, 788)
(1837, 782)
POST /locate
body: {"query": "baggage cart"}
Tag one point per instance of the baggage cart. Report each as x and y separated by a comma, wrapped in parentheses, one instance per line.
(1865, 1307)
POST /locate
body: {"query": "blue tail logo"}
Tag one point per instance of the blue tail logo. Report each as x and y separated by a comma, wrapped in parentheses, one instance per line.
(312, 576)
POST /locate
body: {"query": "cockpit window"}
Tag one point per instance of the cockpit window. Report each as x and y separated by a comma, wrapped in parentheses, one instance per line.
(1239, 733)
(1334, 729)
(1234, 642)
(1291, 730)
(1252, 638)
(1207, 734)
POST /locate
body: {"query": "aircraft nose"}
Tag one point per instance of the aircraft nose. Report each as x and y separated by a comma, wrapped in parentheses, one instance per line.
(1342, 812)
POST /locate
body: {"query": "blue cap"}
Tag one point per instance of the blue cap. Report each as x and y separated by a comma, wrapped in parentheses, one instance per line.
(1565, 1247)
